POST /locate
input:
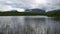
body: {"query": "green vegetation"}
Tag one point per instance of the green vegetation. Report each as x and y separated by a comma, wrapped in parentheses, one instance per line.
(1, 33)
(54, 13)
(20, 13)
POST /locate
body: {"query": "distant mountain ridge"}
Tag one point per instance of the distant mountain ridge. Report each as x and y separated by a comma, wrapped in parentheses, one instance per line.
(35, 10)
(58, 10)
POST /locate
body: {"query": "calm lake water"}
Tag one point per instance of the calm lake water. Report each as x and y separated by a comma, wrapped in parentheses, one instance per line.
(29, 25)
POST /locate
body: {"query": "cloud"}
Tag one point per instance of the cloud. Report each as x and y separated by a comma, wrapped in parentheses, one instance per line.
(28, 4)
(53, 4)
(8, 8)
(5, 8)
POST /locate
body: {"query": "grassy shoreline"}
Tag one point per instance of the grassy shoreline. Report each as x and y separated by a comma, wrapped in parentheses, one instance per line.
(20, 14)
(49, 14)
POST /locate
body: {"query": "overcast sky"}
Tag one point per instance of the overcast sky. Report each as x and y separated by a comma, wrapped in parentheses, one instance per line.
(29, 4)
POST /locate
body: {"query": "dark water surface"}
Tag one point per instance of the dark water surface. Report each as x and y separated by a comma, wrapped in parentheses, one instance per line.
(29, 25)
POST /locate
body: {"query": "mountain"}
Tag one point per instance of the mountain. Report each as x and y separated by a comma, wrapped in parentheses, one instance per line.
(35, 10)
(13, 11)
(55, 11)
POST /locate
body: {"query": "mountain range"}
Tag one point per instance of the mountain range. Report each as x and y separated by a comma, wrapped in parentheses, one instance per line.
(35, 10)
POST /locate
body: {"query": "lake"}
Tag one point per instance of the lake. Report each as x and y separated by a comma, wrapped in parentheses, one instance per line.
(29, 25)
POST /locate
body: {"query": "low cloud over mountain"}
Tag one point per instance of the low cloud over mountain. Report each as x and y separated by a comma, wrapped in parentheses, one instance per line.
(29, 4)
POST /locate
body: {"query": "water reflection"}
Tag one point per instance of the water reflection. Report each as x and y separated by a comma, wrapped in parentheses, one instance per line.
(29, 25)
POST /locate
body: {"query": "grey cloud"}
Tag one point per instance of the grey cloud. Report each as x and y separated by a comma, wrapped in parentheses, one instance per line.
(49, 5)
